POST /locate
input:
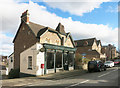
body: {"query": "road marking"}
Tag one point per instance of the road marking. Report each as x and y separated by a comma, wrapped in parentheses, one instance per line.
(107, 73)
(77, 84)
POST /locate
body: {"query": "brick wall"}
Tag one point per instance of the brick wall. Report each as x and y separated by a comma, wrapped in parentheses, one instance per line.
(24, 40)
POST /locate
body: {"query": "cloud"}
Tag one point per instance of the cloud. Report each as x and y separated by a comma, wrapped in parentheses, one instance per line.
(112, 9)
(76, 7)
(6, 46)
(39, 14)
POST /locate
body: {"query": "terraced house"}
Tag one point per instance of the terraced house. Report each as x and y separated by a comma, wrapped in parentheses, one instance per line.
(90, 48)
(40, 50)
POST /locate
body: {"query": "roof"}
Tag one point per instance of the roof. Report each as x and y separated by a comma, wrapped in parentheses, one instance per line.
(35, 27)
(98, 41)
(91, 52)
(38, 30)
(60, 28)
(89, 41)
(11, 54)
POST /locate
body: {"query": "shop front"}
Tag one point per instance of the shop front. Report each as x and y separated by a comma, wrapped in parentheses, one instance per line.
(58, 58)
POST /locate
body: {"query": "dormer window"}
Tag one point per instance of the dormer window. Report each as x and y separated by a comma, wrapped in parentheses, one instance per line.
(85, 43)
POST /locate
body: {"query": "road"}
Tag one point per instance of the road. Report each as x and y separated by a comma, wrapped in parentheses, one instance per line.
(104, 78)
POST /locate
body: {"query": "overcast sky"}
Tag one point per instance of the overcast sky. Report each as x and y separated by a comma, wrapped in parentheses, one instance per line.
(98, 18)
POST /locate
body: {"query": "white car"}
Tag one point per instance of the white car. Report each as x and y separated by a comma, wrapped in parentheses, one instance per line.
(109, 64)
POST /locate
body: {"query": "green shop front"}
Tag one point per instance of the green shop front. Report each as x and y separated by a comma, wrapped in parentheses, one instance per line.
(58, 58)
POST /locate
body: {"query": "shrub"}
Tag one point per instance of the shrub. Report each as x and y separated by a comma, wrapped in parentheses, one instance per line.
(85, 61)
(78, 61)
(14, 73)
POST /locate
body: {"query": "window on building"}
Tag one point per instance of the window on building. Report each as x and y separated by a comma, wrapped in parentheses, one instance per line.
(29, 62)
(11, 59)
(70, 59)
(50, 60)
(58, 59)
(47, 40)
(57, 42)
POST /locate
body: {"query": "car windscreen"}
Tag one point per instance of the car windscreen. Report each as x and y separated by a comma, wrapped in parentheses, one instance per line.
(116, 60)
(108, 62)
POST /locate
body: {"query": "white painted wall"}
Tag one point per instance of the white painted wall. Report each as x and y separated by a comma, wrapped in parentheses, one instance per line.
(10, 64)
(39, 61)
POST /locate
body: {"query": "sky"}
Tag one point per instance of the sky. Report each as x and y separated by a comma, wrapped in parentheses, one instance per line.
(82, 18)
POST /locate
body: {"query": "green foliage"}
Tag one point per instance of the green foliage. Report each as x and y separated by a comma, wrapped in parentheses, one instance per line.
(14, 73)
(85, 61)
(78, 58)
(116, 58)
(78, 61)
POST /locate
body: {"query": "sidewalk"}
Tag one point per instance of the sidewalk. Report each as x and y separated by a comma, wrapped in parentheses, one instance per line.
(62, 75)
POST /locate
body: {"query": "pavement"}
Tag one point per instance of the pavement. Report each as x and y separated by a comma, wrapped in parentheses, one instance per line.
(63, 74)
(53, 76)
(68, 79)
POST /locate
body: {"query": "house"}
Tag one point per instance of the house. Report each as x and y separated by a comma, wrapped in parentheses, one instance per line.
(90, 48)
(10, 62)
(40, 50)
(110, 51)
(3, 65)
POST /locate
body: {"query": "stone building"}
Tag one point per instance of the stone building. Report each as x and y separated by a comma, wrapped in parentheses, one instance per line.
(40, 50)
(90, 48)
(109, 51)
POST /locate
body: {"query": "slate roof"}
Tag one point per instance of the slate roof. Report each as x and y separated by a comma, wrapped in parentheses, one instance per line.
(92, 52)
(35, 27)
(81, 43)
(60, 28)
(38, 30)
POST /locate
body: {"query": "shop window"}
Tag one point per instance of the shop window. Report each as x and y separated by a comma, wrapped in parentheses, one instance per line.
(58, 59)
(70, 59)
(50, 60)
(29, 62)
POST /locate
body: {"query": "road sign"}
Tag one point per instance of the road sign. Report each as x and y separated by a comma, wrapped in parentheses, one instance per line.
(83, 54)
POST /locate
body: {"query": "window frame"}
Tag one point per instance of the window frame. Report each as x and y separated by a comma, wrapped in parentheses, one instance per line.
(30, 62)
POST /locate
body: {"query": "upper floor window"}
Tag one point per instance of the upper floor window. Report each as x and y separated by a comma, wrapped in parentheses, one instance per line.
(29, 62)
(56, 42)
(47, 40)
(11, 59)
(85, 43)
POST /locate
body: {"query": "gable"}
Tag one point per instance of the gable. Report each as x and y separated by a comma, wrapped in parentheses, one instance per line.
(94, 46)
(51, 38)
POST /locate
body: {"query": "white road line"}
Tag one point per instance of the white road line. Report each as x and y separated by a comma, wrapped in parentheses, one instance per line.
(107, 73)
(77, 84)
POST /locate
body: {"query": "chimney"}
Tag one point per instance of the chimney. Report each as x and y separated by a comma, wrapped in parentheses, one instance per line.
(60, 28)
(25, 17)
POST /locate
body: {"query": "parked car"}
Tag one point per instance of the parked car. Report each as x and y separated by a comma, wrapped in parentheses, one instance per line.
(109, 64)
(117, 61)
(96, 65)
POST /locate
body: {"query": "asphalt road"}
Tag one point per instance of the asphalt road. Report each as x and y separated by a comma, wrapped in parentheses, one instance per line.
(104, 78)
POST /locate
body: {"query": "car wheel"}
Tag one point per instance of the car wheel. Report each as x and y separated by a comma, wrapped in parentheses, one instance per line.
(104, 69)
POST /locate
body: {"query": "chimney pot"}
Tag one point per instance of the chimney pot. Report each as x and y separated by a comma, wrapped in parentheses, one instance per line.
(25, 17)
